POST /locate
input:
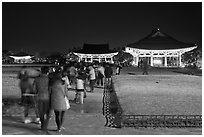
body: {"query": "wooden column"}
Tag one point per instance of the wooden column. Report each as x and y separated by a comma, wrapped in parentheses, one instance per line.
(99, 59)
(179, 60)
(165, 61)
(137, 60)
(111, 59)
(151, 61)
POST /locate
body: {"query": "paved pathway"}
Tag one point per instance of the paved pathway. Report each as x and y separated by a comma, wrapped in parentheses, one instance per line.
(86, 119)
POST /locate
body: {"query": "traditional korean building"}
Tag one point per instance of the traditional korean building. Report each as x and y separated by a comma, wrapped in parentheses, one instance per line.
(22, 57)
(160, 49)
(96, 52)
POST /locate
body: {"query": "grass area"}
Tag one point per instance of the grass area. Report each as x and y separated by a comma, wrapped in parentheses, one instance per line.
(159, 94)
(10, 86)
(197, 72)
(14, 69)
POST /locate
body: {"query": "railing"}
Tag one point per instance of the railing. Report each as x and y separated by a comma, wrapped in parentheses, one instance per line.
(169, 121)
(111, 109)
(116, 118)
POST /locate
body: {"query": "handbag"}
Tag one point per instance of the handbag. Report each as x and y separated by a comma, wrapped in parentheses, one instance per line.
(100, 75)
(67, 102)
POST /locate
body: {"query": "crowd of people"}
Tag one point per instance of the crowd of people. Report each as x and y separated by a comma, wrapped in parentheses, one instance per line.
(47, 90)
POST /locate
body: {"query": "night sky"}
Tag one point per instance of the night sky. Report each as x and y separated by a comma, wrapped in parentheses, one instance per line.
(58, 27)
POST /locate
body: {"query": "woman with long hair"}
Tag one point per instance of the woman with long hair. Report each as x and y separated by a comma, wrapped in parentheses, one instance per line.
(58, 90)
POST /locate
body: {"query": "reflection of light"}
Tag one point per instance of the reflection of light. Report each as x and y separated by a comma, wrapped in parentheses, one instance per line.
(157, 61)
(23, 57)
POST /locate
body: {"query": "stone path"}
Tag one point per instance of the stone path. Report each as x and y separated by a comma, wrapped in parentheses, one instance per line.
(86, 119)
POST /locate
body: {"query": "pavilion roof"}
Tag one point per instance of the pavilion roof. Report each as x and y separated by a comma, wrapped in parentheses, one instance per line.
(21, 54)
(95, 49)
(158, 40)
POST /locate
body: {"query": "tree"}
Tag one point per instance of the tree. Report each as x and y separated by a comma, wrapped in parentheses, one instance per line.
(123, 57)
(190, 58)
(54, 57)
(5, 56)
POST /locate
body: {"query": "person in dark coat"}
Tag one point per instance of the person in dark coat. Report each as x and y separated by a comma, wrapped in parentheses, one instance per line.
(58, 90)
(100, 79)
(40, 85)
(108, 73)
(145, 67)
(118, 69)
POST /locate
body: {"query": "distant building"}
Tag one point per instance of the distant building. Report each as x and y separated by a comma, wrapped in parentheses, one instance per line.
(96, 52)
(22, 57)
(160, 49)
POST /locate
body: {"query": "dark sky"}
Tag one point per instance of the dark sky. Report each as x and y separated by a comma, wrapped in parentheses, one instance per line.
(35, 27)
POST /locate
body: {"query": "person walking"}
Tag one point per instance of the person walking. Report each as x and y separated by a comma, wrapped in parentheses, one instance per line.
(40, 86)
(80, 83)
(80, 88)
(144, 67)
(108, 73)
(66, 79)
(58, 90)
(118, 68)
(72, 74)
(28, 97)
(101, 75)
(92, 78)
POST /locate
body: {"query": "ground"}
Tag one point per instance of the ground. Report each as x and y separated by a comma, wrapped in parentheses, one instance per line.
(159, 94)
(86, 119)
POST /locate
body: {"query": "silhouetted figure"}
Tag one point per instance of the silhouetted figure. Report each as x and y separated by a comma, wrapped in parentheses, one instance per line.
(118, 69)
(41, 86)
(108, 74)
(101, 75)
(144, 67)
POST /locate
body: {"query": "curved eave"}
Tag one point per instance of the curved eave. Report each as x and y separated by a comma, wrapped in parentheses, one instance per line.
(182, 50)
(158, 40)
(21, 57)
(83, 54)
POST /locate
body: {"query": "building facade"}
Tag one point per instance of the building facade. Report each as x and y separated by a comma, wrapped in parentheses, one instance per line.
(96, 52)
(22, 57)
(160, 49)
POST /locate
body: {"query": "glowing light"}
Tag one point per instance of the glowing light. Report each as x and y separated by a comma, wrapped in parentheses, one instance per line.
(157, 61)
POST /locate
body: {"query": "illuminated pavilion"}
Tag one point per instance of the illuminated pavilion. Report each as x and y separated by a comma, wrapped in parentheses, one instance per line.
(160, 49)
(22, 57)
(96, 52)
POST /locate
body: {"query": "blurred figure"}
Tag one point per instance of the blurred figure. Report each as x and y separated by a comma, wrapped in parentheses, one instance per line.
(28, 97)
(80, 88)
(72, 74)
(92, 78)
(101, 75)
(58, 90)
(144, 67)
(40, 85)
(66, 79)
(118, 68)
(108, 73)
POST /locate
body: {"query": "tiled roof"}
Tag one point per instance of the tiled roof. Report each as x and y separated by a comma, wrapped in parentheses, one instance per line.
(158, 40)
(21, 53)
(95, 49)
